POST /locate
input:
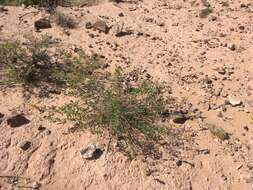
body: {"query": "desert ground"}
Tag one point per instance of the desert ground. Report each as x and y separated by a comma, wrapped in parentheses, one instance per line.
(201, 50)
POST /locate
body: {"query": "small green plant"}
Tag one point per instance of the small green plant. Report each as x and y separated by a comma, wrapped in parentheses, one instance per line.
(131, 114)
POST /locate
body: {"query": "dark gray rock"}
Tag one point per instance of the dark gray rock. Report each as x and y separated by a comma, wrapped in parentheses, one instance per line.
(17, 121)
(25, 145)
(91, 152)
(42, 23)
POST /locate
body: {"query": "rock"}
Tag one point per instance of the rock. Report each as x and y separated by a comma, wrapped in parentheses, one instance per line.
(234, 101)
(42, 23)
(88, 25)
(246, 128)
(117, 29)
(207, 80)
(179, 162)
(35, 185)
(221, 71)
(121, 14)
(101, 26)
(91, 152)
(218, 132)
(241, 27)
(231, 46)
(204, 151)
(41, 128)
(17, 121)
(25, 145)
(3, 9)
(1, 117)
(179, 117)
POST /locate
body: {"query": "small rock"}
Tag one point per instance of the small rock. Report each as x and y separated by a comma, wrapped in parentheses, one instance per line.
(42, 23)
(234, 101)
(88, 25)
(17, 121)
(3, 9)
(101, 26)
(25, 145)
(218, 132)
(35, 185)
(246, 128)
(179, 162)
(121, 14)
(204, 151)
(41, 128)
(179, 117)
(221, 71)
(1, 117)
(91, 152)
(231, 46)
(241, 27)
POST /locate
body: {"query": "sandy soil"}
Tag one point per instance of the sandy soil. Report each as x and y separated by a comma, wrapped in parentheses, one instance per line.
(168, 40)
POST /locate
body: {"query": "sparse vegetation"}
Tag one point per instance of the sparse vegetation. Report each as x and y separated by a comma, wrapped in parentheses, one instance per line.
(129, 112)
(35, 67)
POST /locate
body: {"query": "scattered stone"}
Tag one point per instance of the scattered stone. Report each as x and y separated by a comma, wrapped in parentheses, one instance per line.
(221, 71)
(204, 151)
(205, 12)
(42, 23)
(41, 128)
(35, 185)
(121, 14)
(218, 132)
(25, 145)
(179, 117)
(207, 80)
(88, 25)
(234, 101)
(212, 18)
(241, 27)
(101, 26)
(1, 117)
(91, 152)
(17, 121)
(246, 128)
(231, 46)
(179, 162)
(3, 9)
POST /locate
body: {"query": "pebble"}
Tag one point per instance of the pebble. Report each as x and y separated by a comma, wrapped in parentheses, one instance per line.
(25, 145)
(101, 26)
(179, 162)
(35, 185)
(231, 46)
(91, 152)
(234, 101)
(42, 23)
(179, 118)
